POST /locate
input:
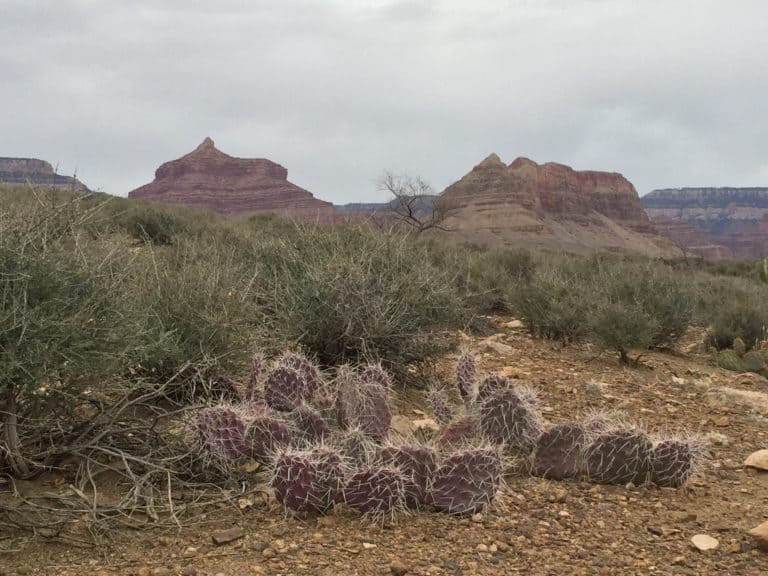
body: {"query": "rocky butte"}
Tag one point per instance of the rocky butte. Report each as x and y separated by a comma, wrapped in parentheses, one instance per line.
(209, 178)
(735, 219)
(34, 172)
(551, 206)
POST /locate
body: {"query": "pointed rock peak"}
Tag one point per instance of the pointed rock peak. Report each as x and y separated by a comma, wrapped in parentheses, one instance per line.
(522, 162)
(492, 160)
(206, 145)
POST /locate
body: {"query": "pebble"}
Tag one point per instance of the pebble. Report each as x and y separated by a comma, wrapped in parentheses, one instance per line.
(397, 568)
(477, 518)
(482, 548)
(704, 542)
(760, 534)
(227, 536)
(189, 552)
(368, 545)
(757, 460)
(268, 553)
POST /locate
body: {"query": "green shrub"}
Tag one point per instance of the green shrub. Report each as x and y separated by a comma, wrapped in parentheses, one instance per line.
(623, 326)
(753, 361)
(744, 315)
(344, 293)
(155, 224)
(729, 360)
(554, 304)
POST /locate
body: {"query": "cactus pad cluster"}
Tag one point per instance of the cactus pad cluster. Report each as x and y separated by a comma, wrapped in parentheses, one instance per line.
(285, 422)
(417, 464)
(466, 376)
(507, 418)
(466, 482)
(221, 431)
(376, 491)
(619, 457)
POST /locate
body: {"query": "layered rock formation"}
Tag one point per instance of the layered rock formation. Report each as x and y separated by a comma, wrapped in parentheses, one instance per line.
(34, 172)
(208, 178)
(734, 218)
(551, 206)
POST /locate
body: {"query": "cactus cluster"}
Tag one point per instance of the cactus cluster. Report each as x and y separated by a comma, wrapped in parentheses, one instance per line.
(285, 421)
(440, 405)
(221, 431)
(466, 482)
(364, 403)
(466, 377)
(417, 464)
(507, 418)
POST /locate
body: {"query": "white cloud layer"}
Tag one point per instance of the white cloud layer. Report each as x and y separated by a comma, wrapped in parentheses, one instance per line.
(667, 92)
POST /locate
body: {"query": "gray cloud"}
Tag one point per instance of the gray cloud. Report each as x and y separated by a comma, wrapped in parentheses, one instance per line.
(669, 93)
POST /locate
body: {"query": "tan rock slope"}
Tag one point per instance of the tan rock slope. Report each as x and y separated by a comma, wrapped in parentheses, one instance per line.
(209, 178)
(34, 172)
(551, 206)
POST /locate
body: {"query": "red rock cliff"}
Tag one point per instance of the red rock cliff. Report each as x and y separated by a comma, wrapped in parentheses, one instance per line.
(208, 178)
(551, 206)
(552, 189)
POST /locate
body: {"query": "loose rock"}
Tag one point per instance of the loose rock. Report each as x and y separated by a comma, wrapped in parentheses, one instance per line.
(704, 542)
(758, 460)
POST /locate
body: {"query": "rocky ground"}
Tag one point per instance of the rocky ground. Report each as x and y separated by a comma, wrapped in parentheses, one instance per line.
(535, 526)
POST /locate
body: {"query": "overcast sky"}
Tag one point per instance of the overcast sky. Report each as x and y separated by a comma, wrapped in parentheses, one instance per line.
(667, 92)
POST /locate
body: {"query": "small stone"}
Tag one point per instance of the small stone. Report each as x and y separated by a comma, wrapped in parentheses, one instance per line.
(757, 460)
(477, 518)
(398, 568)
(678, 560)
(189, 571)
(227, 536)
(161, 571)
(482, 548)
(268, 553)
(493, 548)
(722, 421)
(760, 534)
(704, 542)
(189, 552)
(368, 545)
(717, 438)
(278, 544)
(655, 531)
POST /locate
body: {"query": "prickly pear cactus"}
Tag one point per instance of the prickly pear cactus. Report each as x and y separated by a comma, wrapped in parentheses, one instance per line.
(364, 405)
(356, 446)
(375, 374)
(253, 392)
(285, 389)
(506, 419)
(619, 457)
(460, 433)
(466, 376)
(491, 383)
(347, 396)
(374, 415)
(417, 463)
(310, 427)
(221, 430)
(467, 482)
(673, 461)
(560, 451)
(297, 484)
(376, 492)
(265, 435)
(330, 474)
(304, 366)
(441, 407)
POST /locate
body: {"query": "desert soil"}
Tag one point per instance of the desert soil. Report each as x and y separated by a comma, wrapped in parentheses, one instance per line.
(535, 526)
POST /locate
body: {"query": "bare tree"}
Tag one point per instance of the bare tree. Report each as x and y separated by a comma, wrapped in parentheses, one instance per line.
(414, 203)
